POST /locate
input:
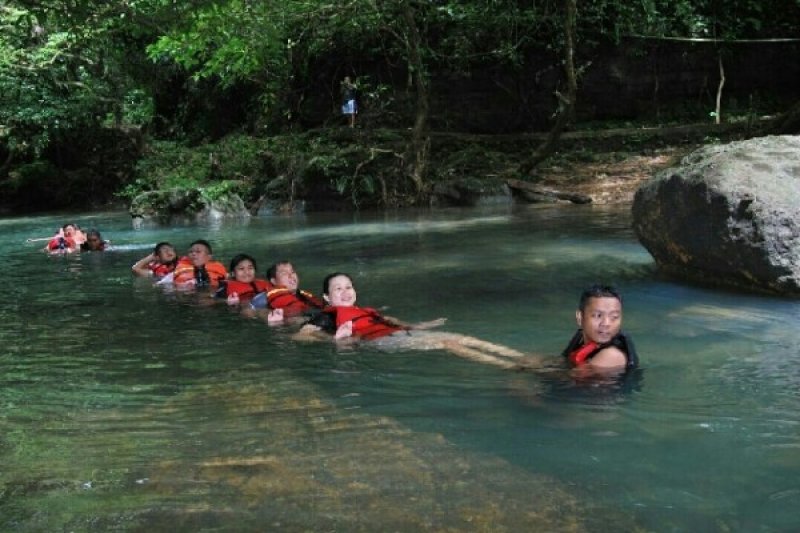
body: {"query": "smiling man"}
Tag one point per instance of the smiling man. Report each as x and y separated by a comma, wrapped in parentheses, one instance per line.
(600, 342)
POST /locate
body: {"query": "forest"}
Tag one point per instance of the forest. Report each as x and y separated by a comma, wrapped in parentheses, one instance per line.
(103, 100)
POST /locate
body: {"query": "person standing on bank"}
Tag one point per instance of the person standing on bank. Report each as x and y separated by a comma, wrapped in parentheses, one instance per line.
(349, 104)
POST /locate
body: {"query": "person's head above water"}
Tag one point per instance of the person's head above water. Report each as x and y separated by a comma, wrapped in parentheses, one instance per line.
(338, 289)
(94, 241)
(243, 268)
(599, 313)
(165, 252)
(200, 252)
(282, 274)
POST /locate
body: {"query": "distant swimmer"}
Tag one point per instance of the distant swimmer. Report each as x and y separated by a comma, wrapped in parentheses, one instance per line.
(68, 239)
(600, 344)
(94, 242)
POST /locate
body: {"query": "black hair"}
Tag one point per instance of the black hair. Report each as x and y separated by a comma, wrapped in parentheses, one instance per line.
(94, 233)
(272, 271)
(329, 277)
(160, 245)
(598, 291)
(238, 259)
(204, 243)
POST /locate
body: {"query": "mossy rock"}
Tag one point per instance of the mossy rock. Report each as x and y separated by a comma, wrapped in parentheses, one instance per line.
(185, 205)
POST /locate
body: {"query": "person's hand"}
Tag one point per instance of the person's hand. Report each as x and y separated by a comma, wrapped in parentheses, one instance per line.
(275, 316)
(233, 298)
(344, 331)
(430, 324)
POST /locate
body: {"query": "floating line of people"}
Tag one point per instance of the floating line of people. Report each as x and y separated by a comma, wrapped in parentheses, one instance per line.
(598, 346)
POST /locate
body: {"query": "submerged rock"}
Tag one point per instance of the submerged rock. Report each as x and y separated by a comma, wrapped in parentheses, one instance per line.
(185, 206)
(728, 214)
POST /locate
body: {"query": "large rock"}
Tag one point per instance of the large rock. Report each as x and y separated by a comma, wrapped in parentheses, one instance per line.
(728, 214)
(190, 205)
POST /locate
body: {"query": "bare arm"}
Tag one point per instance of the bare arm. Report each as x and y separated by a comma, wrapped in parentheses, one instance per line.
(609, 359)
(139, 268)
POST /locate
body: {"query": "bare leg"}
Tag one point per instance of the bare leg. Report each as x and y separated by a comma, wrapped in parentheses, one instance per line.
(499, 349)
(455, 347)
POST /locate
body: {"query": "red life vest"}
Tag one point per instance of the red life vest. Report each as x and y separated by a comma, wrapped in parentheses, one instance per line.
(159, 269)
(185, 271)
(580, 355)
(246, 290)
(60, 242)
(367, 322)
(293, 304)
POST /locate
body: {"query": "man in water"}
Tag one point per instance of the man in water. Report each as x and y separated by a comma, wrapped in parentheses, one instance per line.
(600, 344)
(285, 299)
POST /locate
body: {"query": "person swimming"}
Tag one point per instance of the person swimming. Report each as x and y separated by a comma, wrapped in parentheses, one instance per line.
(159, 263)
(343, 320)
(242, 284)
(285, 299)
(197, 269)
(94, 242)
(600, 345)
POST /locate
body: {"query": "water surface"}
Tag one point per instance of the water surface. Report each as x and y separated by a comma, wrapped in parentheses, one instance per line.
(124, 407)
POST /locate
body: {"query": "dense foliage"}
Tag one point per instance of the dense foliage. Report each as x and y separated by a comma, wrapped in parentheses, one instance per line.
(197, 70)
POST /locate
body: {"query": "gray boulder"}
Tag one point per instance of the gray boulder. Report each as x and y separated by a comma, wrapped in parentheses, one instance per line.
(189, 205)
(728, 214)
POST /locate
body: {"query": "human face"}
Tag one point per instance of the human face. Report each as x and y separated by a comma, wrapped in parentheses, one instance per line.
(69, 230)
(601, 319)
(285, 276)
(244, 271)
(94, 242)
(166, 254)
(341, 292)
(198, 255)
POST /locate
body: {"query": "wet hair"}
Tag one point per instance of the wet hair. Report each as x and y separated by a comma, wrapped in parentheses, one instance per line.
(65, 226)
(161, 245)
(93, 233)
(598, 291)
(204, 243)
(329, 277)
(272, 271)
(238, 259)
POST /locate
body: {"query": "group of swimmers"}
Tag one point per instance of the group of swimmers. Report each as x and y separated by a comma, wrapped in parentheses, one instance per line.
(599, 345)
(70, 238)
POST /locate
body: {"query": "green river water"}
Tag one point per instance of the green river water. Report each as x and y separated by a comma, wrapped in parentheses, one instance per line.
(127, 408)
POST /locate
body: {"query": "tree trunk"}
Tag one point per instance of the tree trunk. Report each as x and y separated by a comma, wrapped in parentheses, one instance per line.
(420, 141)
(719, 90)
(566, 103)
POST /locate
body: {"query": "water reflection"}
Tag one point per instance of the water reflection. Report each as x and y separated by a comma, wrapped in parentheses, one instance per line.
(125, 407)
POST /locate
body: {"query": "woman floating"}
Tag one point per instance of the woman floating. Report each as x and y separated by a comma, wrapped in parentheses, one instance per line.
(243, 284)
(345, 320)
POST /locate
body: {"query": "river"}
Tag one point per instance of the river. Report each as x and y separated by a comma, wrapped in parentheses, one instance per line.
(125, 407)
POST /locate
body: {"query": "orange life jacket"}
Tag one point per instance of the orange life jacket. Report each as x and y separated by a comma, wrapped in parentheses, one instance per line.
(368, 324)
(209, 274)
(246, 290)
(292, 303)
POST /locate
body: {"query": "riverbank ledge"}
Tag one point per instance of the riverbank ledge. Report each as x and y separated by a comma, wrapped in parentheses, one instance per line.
(727, 214)
(189, 205)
